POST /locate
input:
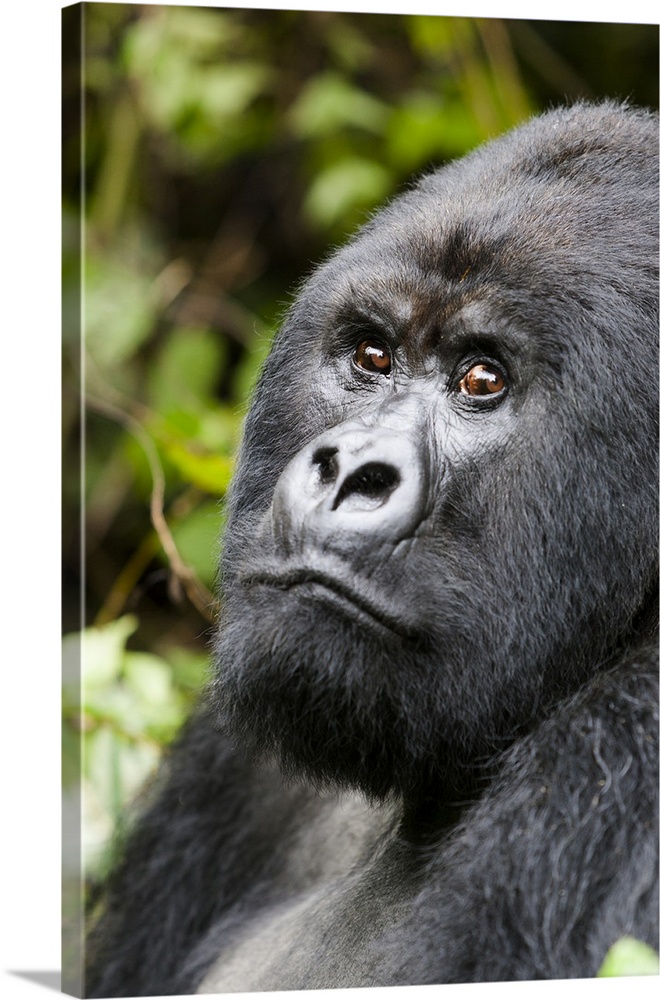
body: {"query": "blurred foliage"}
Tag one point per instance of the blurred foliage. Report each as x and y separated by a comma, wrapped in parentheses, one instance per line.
(628, 957)
(132, 703)
(220, 152)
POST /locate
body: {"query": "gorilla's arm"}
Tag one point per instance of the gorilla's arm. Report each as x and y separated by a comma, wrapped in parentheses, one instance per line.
(204, 840)
(560, 856)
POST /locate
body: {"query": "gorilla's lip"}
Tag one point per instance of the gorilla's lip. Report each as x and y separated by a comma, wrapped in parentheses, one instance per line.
(337, 590)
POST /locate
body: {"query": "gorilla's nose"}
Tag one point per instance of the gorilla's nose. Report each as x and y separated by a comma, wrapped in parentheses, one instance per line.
(354, 481)
(354, 487)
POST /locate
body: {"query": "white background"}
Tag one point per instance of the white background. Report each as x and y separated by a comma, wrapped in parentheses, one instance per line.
(30, 486)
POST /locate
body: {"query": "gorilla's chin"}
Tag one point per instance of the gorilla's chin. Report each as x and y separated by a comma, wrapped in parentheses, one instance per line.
(318, 683)
(335, 696)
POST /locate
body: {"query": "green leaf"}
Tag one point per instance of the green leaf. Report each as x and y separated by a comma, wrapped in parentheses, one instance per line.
(329, 103)
(197, 540)
(175, 31)
(118, 706)
(226, 91)
(249, 369)
(353, 182)
(190, 669)
(191, 85)
(121, 305)
(219, 429)
(115, 770)
(211, 473)
(149, 677)
(185, 370)
(103, 650)
(425, 127)
(629, 957)
(149, 680)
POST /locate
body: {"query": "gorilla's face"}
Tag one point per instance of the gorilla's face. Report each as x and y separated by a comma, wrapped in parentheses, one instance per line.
(444, 515)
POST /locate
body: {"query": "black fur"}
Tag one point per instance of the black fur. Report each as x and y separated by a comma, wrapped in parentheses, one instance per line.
(437, 668)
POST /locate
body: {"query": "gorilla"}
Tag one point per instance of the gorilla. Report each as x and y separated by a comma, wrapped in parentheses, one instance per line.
(429, 752)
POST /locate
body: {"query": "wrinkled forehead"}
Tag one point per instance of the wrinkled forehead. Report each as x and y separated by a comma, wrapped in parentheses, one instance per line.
(420, 258)
(485, 231)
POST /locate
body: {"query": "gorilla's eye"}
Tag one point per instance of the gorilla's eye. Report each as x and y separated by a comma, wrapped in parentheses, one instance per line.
(372, 356)
(482, 380)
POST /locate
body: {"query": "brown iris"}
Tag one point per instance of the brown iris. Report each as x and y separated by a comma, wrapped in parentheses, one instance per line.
(372, 356)
(482, 380)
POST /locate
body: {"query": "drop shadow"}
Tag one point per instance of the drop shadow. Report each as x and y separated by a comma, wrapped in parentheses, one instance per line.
(49, 980)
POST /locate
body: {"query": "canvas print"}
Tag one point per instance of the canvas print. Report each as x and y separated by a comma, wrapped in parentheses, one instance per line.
(360, 494)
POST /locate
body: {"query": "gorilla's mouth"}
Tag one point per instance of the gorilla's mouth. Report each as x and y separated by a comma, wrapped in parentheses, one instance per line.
(335, 592)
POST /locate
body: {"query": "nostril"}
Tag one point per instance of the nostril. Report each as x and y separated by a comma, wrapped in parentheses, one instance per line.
(328, 467)
(367, 487)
